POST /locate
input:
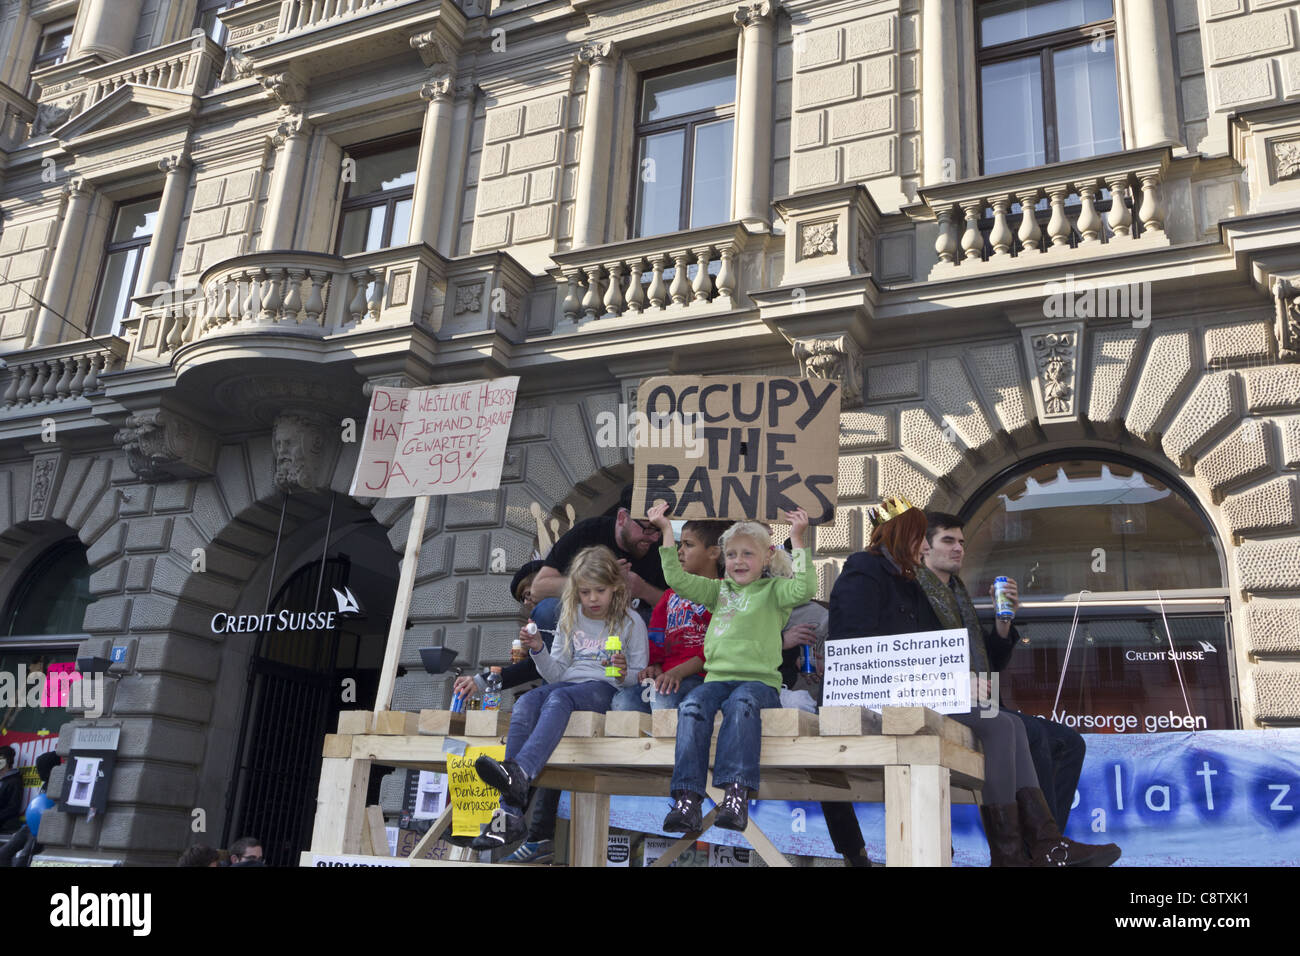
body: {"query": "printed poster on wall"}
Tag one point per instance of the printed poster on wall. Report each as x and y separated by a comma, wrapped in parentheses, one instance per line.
(472, 800)
(737, 446)
(439, 440)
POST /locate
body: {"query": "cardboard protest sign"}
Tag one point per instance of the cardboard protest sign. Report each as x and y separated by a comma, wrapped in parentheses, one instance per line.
(440, 440)
(472, 800)
(758, 445)
(926, 669)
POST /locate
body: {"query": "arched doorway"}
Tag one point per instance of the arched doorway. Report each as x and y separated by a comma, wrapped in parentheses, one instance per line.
(303, 671)
(1140, 545)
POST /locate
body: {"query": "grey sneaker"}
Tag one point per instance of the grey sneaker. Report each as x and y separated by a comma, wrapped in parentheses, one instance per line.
(533, 851)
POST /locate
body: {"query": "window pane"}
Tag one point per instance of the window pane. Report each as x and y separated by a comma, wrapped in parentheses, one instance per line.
(115, 291)
(711, 174)
(401, 223)
(661, 183)
(1044, 527)
(391, 170)
(135, 220)
(1087, 101)
(363, 230)
(689, 91)
(1008, 20)
(1012, 104)
(53, 595)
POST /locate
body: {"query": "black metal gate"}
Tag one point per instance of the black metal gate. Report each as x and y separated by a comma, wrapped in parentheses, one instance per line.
(293, 698)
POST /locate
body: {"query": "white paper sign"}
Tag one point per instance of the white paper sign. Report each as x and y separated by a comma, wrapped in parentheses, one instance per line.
(440, 440)
(720, 855)
(926, 669)
(619, 850)
(654, 847)
(431, 795)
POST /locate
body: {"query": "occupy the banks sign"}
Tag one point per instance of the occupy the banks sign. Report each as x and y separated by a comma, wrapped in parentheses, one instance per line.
(440, 440)
(768, 444)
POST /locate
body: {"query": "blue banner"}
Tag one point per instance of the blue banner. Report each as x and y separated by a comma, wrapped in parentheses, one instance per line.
(1212, 798)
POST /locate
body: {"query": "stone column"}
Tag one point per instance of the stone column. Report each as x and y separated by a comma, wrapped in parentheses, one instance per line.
(940, 128)
(1144, 30)
(431, 172)
(292, 138)
(63, 264)
(158, 260)
(107, 28)
(595, 161)
(458, 156)
(753, 205)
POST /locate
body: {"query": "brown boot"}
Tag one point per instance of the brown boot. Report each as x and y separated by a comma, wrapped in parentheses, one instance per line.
(1047, 847)
(1002, 830)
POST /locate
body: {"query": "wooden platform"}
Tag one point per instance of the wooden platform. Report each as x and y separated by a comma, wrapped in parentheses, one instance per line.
(909, 758)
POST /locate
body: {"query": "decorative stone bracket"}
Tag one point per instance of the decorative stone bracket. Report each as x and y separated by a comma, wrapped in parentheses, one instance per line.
(1052, 354)
(837, 358)
(829, 234)
(1285, 294)
(161, 445)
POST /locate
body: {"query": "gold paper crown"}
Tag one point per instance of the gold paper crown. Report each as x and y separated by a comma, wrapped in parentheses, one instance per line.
(890, 507)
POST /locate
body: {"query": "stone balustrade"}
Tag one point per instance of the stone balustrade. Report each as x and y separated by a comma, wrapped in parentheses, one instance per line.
(59, 373)
(662, 275)
(302, 14)
(304, 294)
(1100, 205)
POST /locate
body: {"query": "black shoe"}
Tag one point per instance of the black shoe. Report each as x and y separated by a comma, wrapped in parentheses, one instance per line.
(684, 817)
(507, 777)
(859, 859)
(504, 829)
(733, 811)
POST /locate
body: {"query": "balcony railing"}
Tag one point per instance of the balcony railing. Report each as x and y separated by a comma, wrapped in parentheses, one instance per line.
(1097, 206)
(50, 374)
(678, 274)
(301, 14)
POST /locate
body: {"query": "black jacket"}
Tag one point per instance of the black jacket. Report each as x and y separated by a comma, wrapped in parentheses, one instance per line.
(871, 599)
(11, 798)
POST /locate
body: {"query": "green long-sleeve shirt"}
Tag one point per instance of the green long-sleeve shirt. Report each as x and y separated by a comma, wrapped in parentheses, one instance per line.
(743, 642)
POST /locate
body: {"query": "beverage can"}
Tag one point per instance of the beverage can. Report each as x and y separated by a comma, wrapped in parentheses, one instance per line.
(1001, 600)
(806, 659)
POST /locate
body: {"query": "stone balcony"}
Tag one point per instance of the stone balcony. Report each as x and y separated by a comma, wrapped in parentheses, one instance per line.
(691, 273)
(39, 380)
(300, 39)
(1048, 216)
(187, 68)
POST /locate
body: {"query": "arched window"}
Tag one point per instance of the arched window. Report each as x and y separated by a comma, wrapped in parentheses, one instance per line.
(51, 598)
(1152, 568)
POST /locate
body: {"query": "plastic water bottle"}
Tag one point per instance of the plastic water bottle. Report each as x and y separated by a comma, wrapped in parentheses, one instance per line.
(1001, 600)
(613, 645)
(492, 696)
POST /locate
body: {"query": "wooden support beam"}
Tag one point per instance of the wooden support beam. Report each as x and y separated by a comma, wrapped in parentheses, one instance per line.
(485, 723)
(848, 721)
(337, 745)
(756, 837)
(627, 723)
(922, 720)
(918, 816)
(374, 825)
(788, 722)
(676, 849)
(585, 723)
(663, 723)
(355, 721)
(397, 723)
(589, 829)
(430, 837)
(340, 805)
(402, 603)
(440, 723)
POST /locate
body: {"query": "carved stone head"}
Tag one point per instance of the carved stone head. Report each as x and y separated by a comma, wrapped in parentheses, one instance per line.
(301, 444)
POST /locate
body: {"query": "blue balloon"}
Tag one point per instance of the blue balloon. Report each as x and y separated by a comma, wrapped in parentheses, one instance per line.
(40, 803)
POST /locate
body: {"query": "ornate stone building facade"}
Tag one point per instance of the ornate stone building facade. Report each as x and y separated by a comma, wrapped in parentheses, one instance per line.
(223, 222)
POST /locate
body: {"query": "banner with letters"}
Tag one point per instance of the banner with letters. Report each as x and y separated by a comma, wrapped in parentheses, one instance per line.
(1213, 798)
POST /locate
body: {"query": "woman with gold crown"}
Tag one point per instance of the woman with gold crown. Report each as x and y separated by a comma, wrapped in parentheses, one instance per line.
(877, 595)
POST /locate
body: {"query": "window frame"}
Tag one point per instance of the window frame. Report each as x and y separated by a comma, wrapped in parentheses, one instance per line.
(215, 8)
(388, 198)
(122, 245)
(688, 122)
(42, 61)
(1045, 45)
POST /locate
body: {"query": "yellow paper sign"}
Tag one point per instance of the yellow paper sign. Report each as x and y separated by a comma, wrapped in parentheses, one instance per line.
(472, 800)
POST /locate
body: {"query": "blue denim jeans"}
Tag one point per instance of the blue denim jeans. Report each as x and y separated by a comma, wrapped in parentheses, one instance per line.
(634, 698)
(537, 723)
(739, 741)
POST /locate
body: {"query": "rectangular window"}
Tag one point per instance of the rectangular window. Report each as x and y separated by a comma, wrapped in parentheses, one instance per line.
(378, 195)
(121, 276)
(208, 17)
(1048, 84)
(51, 49)
(685, 124)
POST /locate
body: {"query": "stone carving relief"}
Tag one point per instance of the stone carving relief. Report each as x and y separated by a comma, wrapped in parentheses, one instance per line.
(749, 13)
(469, 298)
(594, 52)
(1054, 359)
(1285, 294)
(44, 470)
(161, 446)
(817, 239)
(1286, 159)
(837, 358)
(51, 116)
(302, 443)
